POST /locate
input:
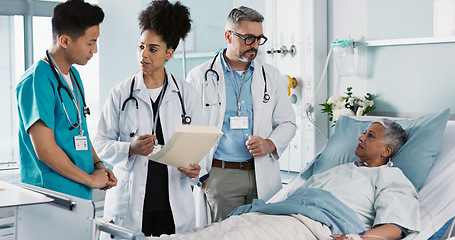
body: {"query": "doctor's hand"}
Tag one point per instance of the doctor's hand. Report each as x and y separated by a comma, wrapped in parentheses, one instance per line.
(191, 173)
(143, 145)
(259, 147)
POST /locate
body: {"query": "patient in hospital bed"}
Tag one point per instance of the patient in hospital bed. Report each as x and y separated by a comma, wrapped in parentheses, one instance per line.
(367, 199)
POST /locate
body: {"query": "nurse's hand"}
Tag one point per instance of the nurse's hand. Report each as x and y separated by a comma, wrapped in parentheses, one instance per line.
(112, 179)
(143, 145)
(191, 173)
(259, 147)
(98, 179)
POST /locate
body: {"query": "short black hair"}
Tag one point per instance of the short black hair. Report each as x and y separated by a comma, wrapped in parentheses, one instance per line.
(74, 17)
(170, 21)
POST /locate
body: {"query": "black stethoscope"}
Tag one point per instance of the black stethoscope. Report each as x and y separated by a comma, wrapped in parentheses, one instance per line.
(211, 71)
(85, 109)
(185, 118)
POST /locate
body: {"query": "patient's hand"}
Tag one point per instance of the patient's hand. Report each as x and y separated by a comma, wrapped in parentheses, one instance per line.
(386, 231)
(191, 173)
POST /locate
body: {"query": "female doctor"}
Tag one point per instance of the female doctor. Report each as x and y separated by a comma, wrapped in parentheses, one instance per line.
(140, 116)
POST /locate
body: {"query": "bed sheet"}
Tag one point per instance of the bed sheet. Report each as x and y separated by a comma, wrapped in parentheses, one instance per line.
(437, 201)
(257, 226)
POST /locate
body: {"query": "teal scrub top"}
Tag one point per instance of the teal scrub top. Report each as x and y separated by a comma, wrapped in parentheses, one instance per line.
(38, 99)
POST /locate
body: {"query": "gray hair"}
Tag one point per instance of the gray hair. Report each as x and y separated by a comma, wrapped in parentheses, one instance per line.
(242, 13)
(394, 135)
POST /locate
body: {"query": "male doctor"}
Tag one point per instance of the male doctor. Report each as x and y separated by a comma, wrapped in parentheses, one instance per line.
(246, 99)
(54, 144)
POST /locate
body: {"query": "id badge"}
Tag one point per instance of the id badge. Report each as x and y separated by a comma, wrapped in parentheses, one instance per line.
(80, 143)
(239, 122)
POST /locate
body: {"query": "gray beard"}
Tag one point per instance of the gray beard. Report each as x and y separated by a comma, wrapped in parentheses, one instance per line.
(244, 58)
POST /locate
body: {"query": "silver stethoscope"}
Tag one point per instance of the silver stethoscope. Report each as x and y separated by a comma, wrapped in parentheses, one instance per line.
(85, 109)
(185, 118)
(214, 74)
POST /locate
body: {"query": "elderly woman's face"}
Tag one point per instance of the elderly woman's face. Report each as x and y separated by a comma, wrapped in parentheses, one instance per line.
(371, 144)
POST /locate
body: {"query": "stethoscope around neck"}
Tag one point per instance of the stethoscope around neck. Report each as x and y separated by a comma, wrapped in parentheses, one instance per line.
(85, 109)
(211, 70)
(186, 120)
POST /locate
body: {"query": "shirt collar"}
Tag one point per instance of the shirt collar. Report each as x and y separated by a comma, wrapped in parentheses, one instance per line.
(227, 68)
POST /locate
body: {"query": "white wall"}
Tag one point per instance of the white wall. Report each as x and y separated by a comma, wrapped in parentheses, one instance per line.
(119, 34)
(408, 80)
(348, 19)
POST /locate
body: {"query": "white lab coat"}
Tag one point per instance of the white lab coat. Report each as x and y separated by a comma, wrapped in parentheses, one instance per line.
(274, 120)
(124, 203)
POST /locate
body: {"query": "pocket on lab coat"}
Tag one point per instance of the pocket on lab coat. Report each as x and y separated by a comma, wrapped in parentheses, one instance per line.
(118, 197)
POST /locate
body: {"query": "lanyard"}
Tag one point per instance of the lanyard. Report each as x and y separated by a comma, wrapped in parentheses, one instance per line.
(155, 120)
(74, 99)
(239, 96)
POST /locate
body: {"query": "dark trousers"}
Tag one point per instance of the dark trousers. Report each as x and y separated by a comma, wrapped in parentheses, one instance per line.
(157, 223)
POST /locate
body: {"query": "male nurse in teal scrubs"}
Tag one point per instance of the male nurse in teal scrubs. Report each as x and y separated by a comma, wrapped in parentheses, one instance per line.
(55, 149)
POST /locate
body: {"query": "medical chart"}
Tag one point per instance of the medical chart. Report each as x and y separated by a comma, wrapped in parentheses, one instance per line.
(188, 144)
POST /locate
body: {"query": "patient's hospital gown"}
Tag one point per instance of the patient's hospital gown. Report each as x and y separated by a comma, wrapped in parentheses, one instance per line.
(378, 195)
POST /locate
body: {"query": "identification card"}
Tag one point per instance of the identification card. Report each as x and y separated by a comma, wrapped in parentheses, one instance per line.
(80, 143)
(239, 122)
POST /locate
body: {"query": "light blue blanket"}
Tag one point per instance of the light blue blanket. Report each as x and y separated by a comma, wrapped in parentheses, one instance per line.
(316, 204)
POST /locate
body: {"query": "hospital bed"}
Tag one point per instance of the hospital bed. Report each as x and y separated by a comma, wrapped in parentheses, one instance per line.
(436, 198)
(436, 195)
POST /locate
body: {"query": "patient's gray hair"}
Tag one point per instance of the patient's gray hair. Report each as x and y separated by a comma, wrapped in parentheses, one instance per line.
(240, 14)
(394, 134)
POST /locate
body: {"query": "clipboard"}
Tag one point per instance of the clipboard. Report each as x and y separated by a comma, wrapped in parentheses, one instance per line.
(188, 144)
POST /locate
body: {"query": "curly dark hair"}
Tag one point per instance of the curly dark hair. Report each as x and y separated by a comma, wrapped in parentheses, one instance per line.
(171, 21)
(74, 17)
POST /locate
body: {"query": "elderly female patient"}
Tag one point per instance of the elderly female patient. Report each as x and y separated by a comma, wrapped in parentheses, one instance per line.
(368, 199)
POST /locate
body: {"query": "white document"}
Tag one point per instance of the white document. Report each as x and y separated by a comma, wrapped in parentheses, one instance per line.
(188, 144)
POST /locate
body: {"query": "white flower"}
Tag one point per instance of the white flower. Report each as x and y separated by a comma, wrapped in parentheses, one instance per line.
(359, 111)
(347, 112)
(369, 103)
(362, 102)
(331, 100)
(338, 113)
(339, 104)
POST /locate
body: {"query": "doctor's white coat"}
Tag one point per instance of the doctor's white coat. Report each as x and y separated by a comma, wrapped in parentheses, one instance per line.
(124, 203)
(274, 120)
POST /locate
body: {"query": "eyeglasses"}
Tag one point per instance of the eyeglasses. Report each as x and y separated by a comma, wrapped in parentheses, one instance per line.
(250, 39)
